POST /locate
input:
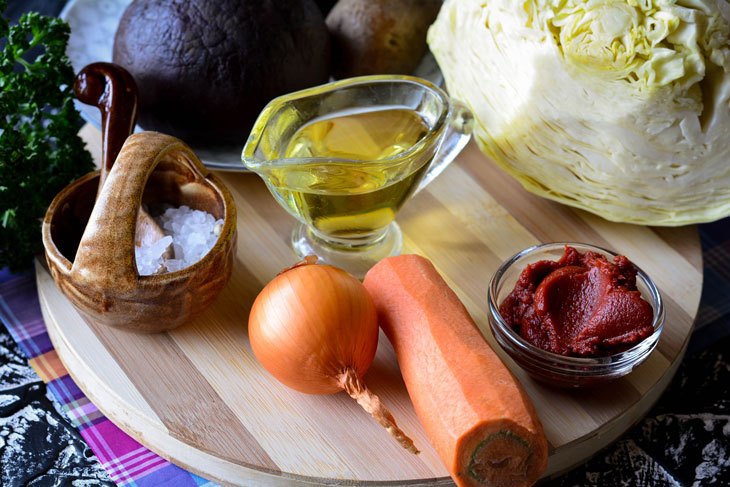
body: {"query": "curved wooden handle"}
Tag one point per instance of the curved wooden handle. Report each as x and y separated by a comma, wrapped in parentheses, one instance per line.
(105, 256)
(111, 89)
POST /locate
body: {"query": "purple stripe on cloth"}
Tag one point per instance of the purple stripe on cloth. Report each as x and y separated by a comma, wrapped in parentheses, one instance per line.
(6, 275)
(164, 478)
(20, 311)
(65, 390)
(129, 464)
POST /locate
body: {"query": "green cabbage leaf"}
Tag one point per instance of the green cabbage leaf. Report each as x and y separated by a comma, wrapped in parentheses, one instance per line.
(619, 107)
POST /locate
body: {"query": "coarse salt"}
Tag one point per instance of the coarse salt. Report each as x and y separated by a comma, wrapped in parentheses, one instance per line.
(192, 233)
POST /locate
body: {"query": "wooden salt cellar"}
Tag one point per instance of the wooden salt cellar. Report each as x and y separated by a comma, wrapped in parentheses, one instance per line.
(89, 240)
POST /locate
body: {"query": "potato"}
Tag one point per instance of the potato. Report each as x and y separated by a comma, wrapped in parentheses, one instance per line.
(379, 36)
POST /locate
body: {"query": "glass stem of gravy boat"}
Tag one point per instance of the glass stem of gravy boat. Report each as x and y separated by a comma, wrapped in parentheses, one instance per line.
(343, 159)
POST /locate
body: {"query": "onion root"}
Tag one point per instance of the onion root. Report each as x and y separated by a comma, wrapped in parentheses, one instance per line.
(371, 403)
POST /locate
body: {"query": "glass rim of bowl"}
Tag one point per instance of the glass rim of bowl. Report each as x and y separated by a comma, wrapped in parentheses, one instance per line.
(250, 148)
(588, 366)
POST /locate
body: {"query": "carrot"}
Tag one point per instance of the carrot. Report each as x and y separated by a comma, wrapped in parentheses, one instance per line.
(475, 412)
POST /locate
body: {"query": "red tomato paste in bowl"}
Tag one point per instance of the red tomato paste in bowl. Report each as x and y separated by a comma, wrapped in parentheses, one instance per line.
(581, 305)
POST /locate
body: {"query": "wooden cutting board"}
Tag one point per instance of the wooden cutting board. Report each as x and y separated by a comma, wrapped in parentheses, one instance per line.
(198, 397)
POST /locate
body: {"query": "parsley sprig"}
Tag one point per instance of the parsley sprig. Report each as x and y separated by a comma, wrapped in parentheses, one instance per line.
(40, 150)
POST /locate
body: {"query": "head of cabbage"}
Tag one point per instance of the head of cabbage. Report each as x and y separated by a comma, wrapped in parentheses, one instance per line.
(619, 107)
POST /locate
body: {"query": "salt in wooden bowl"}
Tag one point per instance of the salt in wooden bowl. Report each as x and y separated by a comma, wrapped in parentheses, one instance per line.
(89, 241)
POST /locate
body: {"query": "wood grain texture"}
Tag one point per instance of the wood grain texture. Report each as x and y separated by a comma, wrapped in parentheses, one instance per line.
(197, 396)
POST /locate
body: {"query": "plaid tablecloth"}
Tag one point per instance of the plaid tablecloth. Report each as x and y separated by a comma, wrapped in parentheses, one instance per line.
(127, 462)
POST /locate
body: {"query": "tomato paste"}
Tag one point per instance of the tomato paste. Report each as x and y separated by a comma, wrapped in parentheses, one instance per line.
(580, 305)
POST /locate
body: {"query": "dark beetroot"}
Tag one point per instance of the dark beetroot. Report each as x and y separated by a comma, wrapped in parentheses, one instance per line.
(206, 68)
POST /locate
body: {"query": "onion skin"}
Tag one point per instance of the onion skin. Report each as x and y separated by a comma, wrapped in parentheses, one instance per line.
(315, 329)
(309, 324)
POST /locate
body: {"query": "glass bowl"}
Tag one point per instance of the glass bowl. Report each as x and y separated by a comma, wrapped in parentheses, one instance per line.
(559, 370)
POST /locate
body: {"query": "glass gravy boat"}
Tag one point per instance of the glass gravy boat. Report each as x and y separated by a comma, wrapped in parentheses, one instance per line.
(343, 158)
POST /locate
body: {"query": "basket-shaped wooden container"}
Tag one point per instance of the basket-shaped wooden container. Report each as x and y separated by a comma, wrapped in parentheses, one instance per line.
(89, 240)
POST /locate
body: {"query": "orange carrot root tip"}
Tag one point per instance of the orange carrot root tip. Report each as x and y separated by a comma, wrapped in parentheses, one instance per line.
(356, 388)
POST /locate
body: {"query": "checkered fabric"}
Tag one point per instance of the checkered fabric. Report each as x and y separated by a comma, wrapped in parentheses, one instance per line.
(129, 464)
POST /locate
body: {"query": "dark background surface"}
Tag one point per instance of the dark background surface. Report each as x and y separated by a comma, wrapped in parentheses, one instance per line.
(684, 440)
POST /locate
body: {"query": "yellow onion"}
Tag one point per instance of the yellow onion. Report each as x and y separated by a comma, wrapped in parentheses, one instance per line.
(315, 329)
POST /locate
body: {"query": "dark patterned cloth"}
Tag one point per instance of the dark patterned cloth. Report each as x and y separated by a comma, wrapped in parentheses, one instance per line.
(38, 445)
(713, 318)
(684, 441)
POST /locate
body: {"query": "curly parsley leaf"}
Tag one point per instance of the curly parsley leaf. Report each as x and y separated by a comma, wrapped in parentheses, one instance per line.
(40, 150)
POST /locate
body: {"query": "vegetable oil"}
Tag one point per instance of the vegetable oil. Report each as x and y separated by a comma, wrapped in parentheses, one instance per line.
(359, 182)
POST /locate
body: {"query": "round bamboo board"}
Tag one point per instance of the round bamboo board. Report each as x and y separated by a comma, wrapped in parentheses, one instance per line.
(198, 397)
